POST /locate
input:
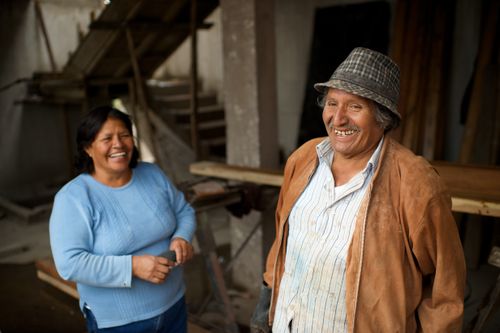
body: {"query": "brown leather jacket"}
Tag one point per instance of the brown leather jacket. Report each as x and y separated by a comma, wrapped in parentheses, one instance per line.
(405, 265)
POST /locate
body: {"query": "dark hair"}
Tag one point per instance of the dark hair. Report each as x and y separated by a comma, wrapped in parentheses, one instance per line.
(385, 118)
(90, 125)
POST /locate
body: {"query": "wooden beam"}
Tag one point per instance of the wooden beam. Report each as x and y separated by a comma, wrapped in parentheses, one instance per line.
(155, 26)
(57, 284)
(195, 141)
(478, 192)
(141, 92)
(470, 181)
(46, 271)
(46, 39)
(244, 174)
(479, 207)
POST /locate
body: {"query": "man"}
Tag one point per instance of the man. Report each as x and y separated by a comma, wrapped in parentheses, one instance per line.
(365, 237)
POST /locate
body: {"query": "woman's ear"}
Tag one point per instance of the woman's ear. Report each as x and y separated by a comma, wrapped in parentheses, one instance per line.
(87, 150)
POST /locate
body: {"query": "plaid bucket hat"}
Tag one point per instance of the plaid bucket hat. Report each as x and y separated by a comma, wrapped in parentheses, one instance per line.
(368, 74)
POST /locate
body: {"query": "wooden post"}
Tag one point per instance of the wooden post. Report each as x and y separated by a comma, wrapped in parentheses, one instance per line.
(495, 147)
(67, 140)
(484, 57)
(194, 81)
(141, 92)
(133, 105)
(39, 16)
(206, 241)
(412, 74)
(433, 106)
(397, 53)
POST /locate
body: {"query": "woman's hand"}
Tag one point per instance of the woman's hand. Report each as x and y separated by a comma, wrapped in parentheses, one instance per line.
(183, 250)
(151, 268)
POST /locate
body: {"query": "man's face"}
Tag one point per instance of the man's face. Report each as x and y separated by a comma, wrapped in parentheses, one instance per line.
(350, 123)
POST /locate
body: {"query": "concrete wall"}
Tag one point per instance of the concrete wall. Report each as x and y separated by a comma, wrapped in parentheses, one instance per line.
(30, 149)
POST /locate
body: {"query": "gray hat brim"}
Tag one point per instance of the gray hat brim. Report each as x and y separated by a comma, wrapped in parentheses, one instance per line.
(355, 89)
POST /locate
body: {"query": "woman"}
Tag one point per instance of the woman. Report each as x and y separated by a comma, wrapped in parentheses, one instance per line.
(109, 226)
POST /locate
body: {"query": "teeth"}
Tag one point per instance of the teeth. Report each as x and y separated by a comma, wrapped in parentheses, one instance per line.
(344, 133)
(117, 155)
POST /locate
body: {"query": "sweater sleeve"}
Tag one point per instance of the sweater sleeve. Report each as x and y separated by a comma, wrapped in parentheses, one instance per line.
(184, 213)
(71, 241)
(437, 247)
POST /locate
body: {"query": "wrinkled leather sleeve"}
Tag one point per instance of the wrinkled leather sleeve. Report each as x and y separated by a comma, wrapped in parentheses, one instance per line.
(259, 323)
(438, 250)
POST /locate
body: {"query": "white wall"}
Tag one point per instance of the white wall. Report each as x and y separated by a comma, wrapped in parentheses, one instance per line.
(26, 132)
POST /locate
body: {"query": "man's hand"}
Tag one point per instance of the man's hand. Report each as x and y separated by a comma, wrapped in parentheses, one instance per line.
(183, 250)
(151, 268)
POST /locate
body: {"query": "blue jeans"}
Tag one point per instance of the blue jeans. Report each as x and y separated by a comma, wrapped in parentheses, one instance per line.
(174, 320)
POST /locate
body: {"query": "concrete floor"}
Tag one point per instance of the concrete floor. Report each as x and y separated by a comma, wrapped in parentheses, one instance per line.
(29, 305)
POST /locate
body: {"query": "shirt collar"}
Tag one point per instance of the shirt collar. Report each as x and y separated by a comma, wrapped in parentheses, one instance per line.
(325, 154)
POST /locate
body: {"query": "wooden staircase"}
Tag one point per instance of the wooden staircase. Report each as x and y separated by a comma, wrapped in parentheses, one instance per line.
(124, 46)
(171, 100)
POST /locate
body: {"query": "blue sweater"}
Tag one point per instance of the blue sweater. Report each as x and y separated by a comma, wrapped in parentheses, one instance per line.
(95, 230)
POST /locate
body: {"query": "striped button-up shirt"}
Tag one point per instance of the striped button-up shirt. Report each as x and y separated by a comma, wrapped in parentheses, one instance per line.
(321, 224)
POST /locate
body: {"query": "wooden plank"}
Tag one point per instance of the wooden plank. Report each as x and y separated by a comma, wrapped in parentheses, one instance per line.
(397, 46)
(58, 284)
(478, 192)
(470, 181)
(478, 207)
(195, 140)
(46, 271)
(409, 60)
(145, 25)
(232, 172)
(484, 56)
(432, 108)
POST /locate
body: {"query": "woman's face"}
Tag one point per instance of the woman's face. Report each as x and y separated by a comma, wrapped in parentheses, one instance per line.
(111, 150)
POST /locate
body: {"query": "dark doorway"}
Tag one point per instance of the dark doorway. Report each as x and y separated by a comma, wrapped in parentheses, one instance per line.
(337, 30)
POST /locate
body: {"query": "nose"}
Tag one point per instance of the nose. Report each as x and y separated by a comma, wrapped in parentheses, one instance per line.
(339, 116)
(117, 141)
